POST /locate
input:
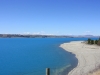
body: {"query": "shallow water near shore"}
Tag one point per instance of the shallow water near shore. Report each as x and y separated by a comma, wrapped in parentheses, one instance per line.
(31, 56)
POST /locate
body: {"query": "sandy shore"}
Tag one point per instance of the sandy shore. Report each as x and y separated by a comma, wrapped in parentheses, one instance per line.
(88, 57)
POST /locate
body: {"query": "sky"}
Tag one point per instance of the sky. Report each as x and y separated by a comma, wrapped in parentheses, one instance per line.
(55, 17)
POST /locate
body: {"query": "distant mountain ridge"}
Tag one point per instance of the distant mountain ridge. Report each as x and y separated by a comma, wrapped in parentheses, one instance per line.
(43, 36)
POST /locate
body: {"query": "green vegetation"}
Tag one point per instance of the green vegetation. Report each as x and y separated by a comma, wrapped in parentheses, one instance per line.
(90, 41)
(96, 41)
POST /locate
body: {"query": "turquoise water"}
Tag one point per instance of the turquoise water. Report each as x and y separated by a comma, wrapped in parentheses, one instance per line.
(31, 56)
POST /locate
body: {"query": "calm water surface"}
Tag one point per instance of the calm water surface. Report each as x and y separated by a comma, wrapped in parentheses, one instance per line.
(31, 56)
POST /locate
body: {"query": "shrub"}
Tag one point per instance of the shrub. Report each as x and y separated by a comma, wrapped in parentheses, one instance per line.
(89, 40)
(98, 43)
(92, 41)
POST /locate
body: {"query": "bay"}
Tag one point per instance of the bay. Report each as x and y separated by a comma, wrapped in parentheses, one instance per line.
(31, 56)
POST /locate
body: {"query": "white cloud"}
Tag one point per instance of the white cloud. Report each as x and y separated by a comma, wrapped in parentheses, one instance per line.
(36, 33)
(87, 33)
(26, 32)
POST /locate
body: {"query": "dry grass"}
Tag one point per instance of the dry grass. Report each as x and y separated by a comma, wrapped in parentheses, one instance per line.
(99, 42)
(95, 73)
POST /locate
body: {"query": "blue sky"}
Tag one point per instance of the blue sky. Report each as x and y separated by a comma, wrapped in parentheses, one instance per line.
(60, 17)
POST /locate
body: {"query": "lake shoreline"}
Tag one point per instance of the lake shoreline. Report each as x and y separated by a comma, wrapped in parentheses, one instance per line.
(88, 59)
